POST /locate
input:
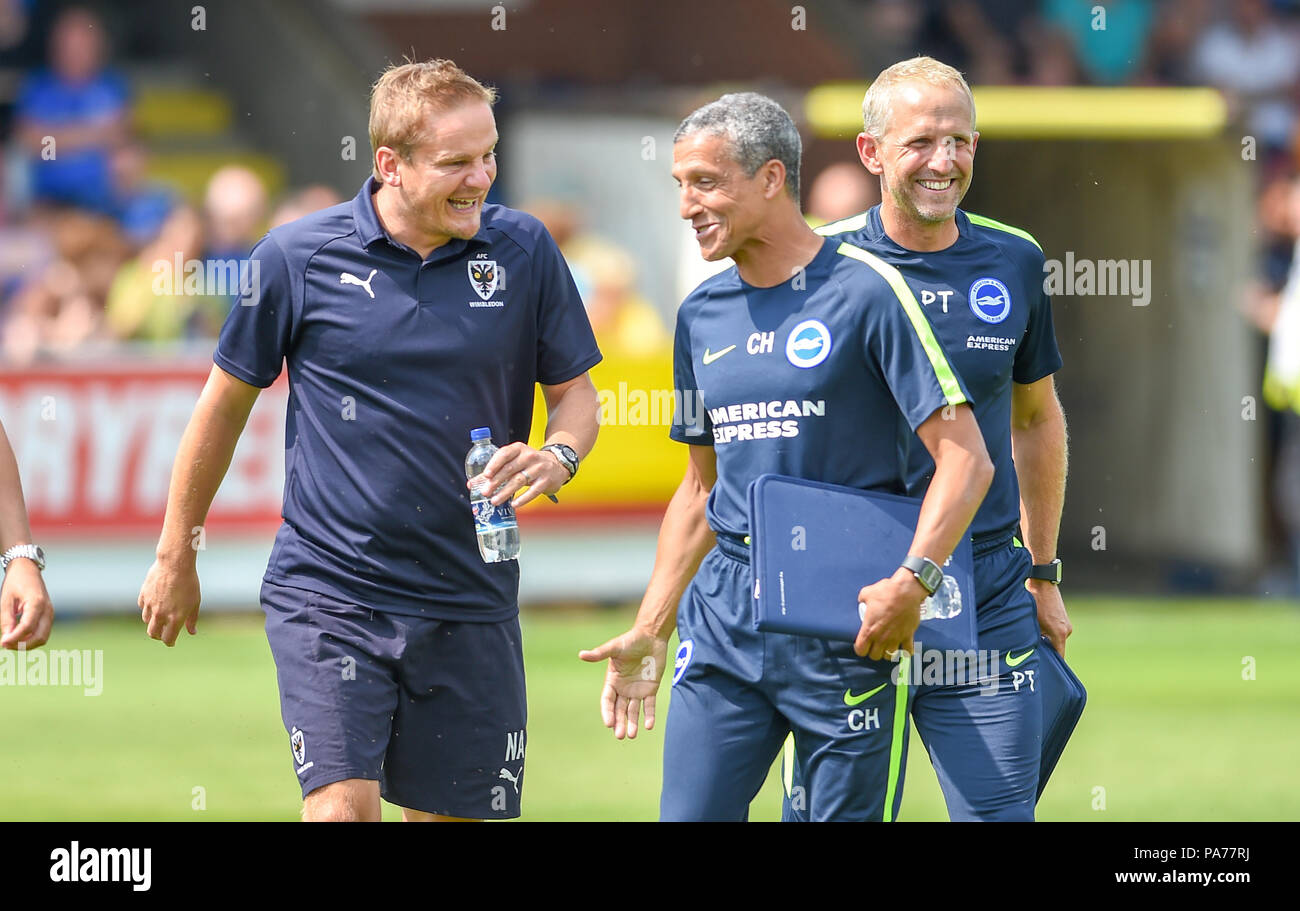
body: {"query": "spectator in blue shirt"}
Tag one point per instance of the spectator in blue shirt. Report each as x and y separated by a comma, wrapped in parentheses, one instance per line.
(72, 116)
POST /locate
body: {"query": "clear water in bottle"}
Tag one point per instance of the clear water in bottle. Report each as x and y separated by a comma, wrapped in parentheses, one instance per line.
(944, 603)
(497, 529)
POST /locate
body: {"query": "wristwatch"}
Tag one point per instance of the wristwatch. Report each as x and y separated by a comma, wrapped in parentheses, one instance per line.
(566, 457)
(927, 572)
(1048, 572)
(30, 551)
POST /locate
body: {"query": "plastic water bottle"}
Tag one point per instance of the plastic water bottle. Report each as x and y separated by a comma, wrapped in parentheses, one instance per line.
(498, 532)
(944, 603)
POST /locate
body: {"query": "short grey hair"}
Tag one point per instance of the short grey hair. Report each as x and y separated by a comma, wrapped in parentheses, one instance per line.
(756, 129)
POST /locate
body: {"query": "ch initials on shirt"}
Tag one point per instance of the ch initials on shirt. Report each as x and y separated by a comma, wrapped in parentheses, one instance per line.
(761, 343)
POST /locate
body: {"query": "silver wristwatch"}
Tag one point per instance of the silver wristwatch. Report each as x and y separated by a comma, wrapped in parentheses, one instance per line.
(566, 456)
(30, 551)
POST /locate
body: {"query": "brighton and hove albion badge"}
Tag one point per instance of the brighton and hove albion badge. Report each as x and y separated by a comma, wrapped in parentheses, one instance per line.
(809, 344)
(484, 276)
(990, 300)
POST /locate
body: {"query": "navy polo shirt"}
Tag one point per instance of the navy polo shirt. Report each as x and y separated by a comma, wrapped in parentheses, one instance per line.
(984, 296)
(824, 377)
(392, 362)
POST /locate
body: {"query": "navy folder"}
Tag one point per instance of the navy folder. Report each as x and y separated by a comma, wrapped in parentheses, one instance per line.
(1063, 700)
(815, 546)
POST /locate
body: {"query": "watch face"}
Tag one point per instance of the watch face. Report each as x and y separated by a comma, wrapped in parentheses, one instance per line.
(566, 455)
(931, 576)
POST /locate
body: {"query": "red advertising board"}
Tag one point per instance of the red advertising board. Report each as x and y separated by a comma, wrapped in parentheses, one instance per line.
(95, 442)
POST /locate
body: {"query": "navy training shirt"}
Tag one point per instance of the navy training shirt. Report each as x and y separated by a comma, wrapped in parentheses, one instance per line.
(392, 362)
(824, 377)
(984, 296)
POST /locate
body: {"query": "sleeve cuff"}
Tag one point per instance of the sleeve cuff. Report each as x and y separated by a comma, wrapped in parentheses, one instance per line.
(563, 376)
(241, 373)
(703, 439)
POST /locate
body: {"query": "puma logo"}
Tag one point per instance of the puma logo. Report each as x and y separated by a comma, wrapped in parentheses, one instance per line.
(347, 278)
(513, 779)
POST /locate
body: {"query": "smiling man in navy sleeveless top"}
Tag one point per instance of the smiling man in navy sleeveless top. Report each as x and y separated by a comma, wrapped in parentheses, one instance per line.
(407, 317)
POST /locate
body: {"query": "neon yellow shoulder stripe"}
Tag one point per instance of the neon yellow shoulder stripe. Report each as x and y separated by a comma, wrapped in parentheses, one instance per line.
(933, 350)
(844, 225)
(997, 225)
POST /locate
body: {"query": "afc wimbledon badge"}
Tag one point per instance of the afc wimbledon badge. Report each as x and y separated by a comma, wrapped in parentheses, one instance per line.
(299, 745)
(483, 276)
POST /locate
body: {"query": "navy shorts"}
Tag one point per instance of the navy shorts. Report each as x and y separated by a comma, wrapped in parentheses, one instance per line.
(434, 710)
(737, 693)
(983, 729)
(985, 737)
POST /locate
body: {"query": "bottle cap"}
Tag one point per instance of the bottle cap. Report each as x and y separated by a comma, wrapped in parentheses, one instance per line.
(480, 433)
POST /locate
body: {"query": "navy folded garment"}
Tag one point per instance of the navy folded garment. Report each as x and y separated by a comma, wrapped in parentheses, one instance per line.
(815, 546)
(1063, 700)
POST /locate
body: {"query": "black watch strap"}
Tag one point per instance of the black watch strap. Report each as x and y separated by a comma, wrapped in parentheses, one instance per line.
(1048, 572)
(927, 572)
(565, 455)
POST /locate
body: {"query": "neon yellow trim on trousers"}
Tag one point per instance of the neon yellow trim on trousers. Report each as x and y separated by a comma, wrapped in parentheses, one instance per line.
(787, 763)
(899, 740)
(895, 744)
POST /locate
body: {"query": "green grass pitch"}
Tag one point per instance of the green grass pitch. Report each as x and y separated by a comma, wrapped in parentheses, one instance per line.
(1172, 730)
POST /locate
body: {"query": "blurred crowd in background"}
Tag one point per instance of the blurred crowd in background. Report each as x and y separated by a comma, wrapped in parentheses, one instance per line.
(105, 193)
(91, 244)
(83, 229)
(82, 225)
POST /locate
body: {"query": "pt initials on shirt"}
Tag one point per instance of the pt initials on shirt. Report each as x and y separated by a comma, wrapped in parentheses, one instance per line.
(929, 297)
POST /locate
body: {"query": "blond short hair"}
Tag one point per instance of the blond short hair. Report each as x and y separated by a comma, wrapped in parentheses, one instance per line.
(403, 94)
(876, 109)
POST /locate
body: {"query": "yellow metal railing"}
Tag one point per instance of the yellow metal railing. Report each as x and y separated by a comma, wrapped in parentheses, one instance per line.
(834, 110)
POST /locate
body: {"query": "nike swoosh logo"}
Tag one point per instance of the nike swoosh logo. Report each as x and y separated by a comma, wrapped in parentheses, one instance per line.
(710, 358)
(1012, 662)
(850, 699)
